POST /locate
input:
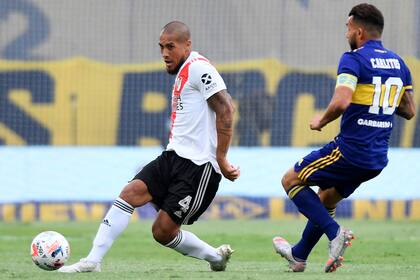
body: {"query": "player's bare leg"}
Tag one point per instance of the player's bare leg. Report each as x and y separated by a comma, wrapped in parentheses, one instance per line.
(116, 220)
(168, 233)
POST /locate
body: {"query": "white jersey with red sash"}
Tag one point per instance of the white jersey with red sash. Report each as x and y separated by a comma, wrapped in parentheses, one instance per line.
(193, 123)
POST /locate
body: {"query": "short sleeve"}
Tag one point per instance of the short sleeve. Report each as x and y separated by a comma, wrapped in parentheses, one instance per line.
(349, 65)
(407, 82)
(206, 78)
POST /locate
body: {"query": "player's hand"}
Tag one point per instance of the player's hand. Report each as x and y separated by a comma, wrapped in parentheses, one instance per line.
(229, 171)
(315, 123)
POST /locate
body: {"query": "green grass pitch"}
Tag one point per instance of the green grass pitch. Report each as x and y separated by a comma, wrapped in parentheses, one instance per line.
(382, 250)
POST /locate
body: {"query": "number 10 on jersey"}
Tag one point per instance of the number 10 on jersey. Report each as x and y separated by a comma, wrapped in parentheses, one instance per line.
(386, 95)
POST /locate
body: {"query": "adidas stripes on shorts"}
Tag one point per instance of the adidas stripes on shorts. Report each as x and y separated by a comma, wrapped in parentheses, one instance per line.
(327, 168)
(180, 187)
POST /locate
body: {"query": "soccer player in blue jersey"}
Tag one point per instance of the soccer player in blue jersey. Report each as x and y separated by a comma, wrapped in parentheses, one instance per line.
(373, 83)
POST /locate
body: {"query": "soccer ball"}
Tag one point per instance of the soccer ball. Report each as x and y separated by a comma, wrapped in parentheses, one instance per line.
(50, 250)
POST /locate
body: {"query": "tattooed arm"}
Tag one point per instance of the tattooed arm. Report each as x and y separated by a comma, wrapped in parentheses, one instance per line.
(221, 104)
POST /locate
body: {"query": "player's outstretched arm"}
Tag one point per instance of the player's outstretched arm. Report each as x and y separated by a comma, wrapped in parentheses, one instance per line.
(407, 107)
(221, 104)
(338, 104)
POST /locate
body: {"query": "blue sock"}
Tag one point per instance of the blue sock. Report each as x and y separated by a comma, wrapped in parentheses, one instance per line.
(310, 237)
(309, 204)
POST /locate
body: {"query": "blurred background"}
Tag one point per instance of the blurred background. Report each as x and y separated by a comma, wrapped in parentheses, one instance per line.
(84, 100)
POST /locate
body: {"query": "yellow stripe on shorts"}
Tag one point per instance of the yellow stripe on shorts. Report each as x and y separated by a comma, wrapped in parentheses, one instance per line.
(333, 159)
(319, 162)
(315, 162)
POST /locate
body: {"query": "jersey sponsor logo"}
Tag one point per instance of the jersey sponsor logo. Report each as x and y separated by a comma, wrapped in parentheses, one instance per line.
(210, 87)
(179, 105)
(373, 123)
(206, 79)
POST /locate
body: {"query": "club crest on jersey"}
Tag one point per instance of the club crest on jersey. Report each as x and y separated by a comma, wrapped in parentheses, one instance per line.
(178, 83)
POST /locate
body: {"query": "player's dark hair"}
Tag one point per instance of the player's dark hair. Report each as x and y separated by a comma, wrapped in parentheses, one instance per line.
(369, 16)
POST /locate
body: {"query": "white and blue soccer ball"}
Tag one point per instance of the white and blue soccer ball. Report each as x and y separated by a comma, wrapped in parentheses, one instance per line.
(50, 250)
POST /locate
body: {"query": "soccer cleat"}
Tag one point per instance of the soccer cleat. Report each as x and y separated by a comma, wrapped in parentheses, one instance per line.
(334, 265)
(337, 246)
(225, 252)
(81, 266)
(283, 248)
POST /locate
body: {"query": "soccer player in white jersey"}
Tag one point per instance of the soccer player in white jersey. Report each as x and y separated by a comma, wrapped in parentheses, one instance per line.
(183, 180)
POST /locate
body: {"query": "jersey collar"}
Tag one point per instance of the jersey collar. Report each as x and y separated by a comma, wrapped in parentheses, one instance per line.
(373, 43)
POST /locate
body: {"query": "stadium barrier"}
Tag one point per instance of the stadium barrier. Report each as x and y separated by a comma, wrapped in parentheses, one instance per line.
(79, 183)
(58, 174)
(223, 207)
(85, 102)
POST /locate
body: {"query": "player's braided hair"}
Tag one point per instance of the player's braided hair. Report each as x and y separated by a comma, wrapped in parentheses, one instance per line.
(369, 16)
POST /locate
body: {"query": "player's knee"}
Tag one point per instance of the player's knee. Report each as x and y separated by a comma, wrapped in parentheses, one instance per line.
(128, 193)
(135, 193)
(286, 181)
(289, 180)
(163, 235)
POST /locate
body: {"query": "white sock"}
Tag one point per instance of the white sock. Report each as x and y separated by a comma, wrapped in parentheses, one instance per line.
(114, 223)
(187, 243)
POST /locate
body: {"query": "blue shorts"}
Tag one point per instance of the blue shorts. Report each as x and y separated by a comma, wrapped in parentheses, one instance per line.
(327, 168)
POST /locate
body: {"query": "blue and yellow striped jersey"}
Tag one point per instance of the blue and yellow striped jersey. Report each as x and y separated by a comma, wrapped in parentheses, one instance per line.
(379, 79)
